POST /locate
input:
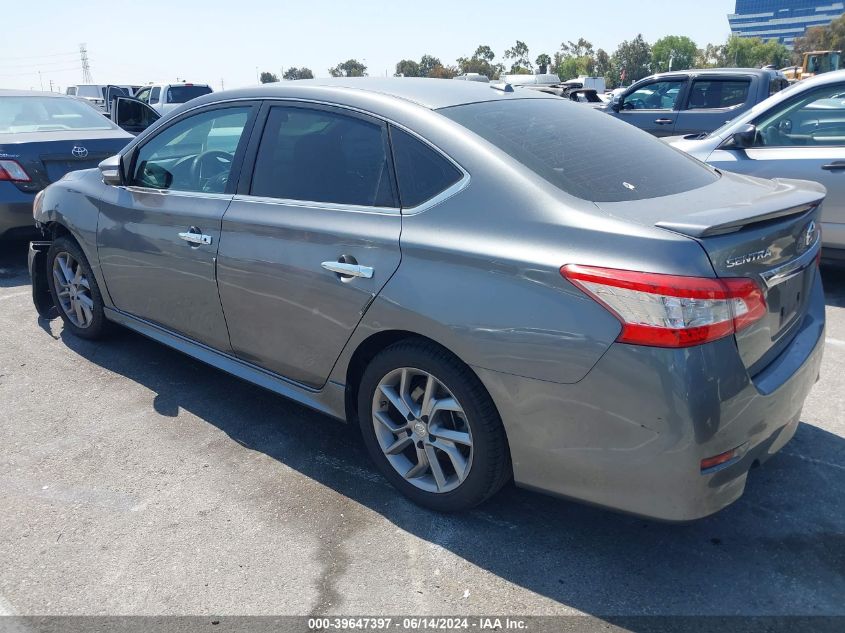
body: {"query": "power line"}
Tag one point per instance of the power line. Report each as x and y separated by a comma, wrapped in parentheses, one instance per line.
(73, 54)
(61, 62)
(36, 71)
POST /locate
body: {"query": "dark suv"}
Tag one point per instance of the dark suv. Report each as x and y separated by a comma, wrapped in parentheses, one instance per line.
(694, 101)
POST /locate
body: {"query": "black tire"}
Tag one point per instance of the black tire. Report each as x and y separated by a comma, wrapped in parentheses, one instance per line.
(97, 327)
(490, 468)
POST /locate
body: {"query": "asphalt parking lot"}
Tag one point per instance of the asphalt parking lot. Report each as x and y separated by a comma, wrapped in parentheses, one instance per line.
(134, 480)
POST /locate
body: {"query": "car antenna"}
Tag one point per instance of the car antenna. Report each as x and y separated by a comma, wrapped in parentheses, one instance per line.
(504, 86)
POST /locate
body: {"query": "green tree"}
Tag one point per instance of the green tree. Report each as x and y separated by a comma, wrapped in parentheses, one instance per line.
(631, 61)
(519, 54)
(298, 73)
(820, 38)
(427, 64)
(543, 62)
(480, 62)
(673, 52)
(443, 72)
(268, 78)
(407, 68)
(602, 67)
(752, 52)
(711, 56)
(574, 59)
(349, 68)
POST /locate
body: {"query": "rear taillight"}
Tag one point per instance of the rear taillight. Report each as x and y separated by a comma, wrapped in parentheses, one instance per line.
(670, 310)
(12, 170)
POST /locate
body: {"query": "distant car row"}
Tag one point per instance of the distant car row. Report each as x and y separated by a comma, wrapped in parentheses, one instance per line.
(161, 97)
(666, 104)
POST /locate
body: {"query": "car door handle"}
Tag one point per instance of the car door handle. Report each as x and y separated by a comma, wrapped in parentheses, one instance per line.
(838, 164)
(349, 270)
(664, 121)
(193, 237)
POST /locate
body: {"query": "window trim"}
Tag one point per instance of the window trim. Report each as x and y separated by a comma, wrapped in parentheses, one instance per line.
(439, 197)
(247, 163)
(242, 192)
(746, 78)
(245, 184)
(130, 154)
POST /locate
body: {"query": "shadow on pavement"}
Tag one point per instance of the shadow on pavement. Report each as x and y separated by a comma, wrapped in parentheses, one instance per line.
(779, 550)
(13, 266)
(833, 277)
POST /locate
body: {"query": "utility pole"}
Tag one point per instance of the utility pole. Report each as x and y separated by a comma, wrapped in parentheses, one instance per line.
(86, 67)
(41, 80)
(51, 85)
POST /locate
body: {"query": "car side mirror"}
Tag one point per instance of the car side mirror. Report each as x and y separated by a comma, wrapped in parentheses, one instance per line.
(111, 170)
(742, 138)
(616, 105)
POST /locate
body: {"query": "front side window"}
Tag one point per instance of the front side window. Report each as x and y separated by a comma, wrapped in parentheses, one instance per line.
(143, 95)
(188, 155)
(421, 171)
(155, 93)
(815, 118)
(320, 155)
(657, 95)
(581, 151)
(712, 94)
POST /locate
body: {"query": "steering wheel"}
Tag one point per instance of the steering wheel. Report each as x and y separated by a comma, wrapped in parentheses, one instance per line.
(216, 161)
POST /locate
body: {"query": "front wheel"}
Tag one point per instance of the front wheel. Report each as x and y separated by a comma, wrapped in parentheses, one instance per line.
(431, 427)
(74, 289)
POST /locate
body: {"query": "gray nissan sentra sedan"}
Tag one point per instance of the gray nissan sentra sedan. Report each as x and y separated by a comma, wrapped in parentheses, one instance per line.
(493, 284)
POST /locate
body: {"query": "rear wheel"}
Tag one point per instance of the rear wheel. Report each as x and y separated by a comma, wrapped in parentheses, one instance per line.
(74, 289)
(431, 427)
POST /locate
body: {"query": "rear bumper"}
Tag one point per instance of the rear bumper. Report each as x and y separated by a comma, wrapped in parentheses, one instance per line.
(15, 208)
(631, 435)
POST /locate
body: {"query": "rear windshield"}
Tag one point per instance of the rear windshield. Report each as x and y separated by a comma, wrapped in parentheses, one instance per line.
(586, 153)
(90, 92)
(43, 114)
(182, 94)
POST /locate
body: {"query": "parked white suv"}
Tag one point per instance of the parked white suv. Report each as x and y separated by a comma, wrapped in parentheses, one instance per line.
(168, 96)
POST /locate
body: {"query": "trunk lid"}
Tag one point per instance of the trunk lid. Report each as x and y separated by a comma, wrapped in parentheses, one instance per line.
(47, 156)
(760, 229)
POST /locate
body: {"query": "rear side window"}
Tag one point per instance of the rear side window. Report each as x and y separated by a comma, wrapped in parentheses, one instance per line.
(421, 171)
(583, 152)
(183, 94)
(712, 94)
(323, 156)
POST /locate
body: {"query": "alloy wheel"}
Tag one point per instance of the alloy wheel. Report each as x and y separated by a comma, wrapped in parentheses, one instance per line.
(422, 430)
(73, 289)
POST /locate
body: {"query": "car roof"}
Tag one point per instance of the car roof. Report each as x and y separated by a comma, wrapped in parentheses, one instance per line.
(721, 71)
(429, 93)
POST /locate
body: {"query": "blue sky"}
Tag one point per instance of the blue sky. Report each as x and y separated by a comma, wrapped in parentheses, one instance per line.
(212, 40)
